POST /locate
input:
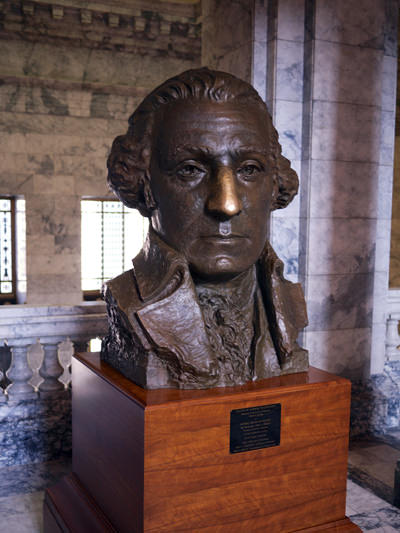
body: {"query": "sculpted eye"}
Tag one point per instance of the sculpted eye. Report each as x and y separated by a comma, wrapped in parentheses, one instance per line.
(249, 170)
(190, 171)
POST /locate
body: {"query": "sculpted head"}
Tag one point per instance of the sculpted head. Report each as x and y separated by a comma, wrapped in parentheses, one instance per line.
(202, 160)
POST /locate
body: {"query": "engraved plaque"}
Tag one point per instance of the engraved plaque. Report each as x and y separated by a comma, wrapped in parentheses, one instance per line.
(254, 428)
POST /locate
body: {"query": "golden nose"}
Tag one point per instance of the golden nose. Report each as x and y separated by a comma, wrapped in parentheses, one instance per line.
(223, 199)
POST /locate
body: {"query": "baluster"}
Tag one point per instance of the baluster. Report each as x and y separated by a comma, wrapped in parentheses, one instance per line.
(19, 373)
(35, 360)
(392, 339)
(51, 369)
(65, 352)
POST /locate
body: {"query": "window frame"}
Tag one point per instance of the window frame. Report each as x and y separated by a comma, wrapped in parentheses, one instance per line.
(11, 298)
(96, 294)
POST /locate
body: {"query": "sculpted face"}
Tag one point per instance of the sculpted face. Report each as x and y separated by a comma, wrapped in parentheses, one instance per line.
(212, 184)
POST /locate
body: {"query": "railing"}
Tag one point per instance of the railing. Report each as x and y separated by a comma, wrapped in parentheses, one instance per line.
(392, 326)
(38, 343)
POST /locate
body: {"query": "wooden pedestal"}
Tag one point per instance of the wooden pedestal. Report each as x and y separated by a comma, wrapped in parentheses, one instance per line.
(160, 461)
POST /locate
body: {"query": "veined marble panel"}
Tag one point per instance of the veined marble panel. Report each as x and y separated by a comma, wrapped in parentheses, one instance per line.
(288, 122)
(227, 36)
(289, 71)
(383, 227)
(346, 132)
(380, 298)
(376, 401)
(54, 289)
(378, 347)
(360, 26)
(61, 184)
(82, 165)
(70, 263)
(337, 302)
(344, 352)
(388, 120)
(90, 65)
(59, 144)
(389, 83)
(388, 195)
(48, 215)
(93, 185)
(259, 68)
(236, 62)
(343, 189)
(341, 245)
(344, 73)
(43, 124)
(291, 20)
(35, 430)
(285, 241)
(391, 28)
(15, 183)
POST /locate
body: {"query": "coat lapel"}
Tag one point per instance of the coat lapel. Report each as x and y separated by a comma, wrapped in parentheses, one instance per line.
(284, 304)
(170, 313)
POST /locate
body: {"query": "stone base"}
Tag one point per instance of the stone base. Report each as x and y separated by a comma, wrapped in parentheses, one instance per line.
(161, 460)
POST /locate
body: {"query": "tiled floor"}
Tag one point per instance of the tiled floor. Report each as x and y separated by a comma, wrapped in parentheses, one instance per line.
(21, 498)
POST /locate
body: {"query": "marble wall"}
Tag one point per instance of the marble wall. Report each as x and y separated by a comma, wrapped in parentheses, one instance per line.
(395, 241)
(348, 169)
(69, 80)
(225, 36)
(328, 73)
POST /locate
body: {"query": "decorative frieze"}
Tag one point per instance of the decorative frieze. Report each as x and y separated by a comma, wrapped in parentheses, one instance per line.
(170, 29)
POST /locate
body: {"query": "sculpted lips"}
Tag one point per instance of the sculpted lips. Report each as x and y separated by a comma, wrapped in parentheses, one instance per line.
(218, 238)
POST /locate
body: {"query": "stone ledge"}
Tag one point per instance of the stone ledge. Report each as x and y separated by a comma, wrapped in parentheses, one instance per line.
(23, 324)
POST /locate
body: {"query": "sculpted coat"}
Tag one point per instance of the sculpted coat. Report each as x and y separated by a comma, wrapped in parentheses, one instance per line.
(157, 334)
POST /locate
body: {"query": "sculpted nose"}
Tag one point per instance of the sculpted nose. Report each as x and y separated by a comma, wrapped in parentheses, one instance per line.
(223, 199)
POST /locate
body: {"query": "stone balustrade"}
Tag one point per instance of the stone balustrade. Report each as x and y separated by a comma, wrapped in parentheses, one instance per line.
(392, 326)
(40, 341)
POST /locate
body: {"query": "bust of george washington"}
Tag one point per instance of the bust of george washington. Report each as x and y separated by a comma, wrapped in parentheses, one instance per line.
(205, 304)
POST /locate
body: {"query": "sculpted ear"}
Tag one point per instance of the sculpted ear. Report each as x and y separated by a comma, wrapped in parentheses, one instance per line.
(287, 183)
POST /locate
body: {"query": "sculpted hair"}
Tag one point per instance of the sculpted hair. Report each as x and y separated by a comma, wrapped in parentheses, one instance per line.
(129, 161)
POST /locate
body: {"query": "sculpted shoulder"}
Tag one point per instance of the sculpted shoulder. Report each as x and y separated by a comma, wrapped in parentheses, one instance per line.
(122, 291)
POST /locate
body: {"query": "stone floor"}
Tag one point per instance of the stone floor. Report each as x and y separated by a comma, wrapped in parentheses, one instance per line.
(372, 464)
(22, 490)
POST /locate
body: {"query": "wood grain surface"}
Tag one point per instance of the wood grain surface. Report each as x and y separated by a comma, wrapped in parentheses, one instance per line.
(159, 461)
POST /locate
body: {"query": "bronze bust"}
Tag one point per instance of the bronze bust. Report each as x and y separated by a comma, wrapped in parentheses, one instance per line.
(206, 304)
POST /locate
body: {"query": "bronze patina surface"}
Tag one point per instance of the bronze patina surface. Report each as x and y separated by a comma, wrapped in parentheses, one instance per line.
(206, 303)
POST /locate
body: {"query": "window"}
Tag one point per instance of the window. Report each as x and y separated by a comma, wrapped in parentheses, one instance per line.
(112, 235)
(7, 250)
(12, 250)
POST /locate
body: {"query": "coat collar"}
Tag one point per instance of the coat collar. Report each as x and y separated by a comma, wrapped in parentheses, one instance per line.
(171, 314)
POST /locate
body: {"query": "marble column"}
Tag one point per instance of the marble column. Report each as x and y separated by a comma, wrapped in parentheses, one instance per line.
(347, 168)
(285, 86)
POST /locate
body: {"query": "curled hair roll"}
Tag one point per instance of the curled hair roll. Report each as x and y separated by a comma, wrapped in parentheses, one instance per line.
(128, 174)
